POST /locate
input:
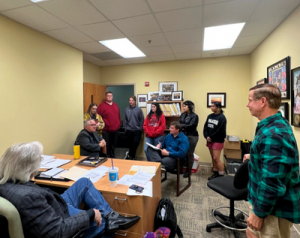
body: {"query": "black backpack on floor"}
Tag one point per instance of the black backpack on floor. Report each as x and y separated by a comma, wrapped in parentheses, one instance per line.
(165, 216)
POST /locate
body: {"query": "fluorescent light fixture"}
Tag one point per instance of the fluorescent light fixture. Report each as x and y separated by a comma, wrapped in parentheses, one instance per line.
(35, 1)
(221, 37)
(123, 47)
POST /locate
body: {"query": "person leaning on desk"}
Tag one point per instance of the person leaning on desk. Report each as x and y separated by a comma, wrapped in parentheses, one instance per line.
(90, 143)
(45, 213)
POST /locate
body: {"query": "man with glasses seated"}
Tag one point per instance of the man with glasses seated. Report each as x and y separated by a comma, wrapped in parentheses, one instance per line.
(90, 142)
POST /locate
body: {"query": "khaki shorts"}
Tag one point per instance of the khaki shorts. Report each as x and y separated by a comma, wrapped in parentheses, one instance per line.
(273, 227)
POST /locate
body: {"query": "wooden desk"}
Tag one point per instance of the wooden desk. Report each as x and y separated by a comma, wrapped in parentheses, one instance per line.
(143, 206)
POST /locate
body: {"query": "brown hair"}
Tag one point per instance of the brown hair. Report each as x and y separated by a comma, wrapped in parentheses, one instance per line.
(133, 97)
(176, 124)
(270, 92)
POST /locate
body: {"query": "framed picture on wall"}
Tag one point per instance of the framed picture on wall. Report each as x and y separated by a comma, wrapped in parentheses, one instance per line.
(142, 100)
(262, 81)
(153, 96)
(284, 109)
(167, 87)
(177, 95)
(216, 97)
(279, 75)
(295, 107)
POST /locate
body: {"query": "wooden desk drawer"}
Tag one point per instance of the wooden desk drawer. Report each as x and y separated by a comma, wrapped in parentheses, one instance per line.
(127, 234)
(125, 204)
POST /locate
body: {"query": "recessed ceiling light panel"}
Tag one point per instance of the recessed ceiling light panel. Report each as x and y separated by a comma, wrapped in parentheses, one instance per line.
(221, 37)
(123, 47)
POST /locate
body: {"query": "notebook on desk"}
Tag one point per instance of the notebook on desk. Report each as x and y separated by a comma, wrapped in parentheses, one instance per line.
(92, 161)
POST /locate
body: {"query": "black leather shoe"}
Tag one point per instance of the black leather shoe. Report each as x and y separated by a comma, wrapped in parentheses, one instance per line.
(186, 174)
(215, 175)
(115, 222)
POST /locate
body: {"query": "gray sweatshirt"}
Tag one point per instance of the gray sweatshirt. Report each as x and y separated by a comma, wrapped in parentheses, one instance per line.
(134, 118)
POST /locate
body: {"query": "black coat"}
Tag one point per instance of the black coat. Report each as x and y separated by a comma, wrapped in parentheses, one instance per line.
(89, 143)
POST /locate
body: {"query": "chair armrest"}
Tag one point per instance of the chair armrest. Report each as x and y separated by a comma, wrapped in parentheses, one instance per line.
(12, 215)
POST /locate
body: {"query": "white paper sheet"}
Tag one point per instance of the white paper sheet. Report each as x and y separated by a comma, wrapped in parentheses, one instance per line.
(152, 146)
(141, 177)
(53, 163)
(124, 180)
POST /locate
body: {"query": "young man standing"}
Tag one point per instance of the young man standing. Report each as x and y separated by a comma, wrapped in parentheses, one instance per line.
(110, 113)
(133, 124)
(274, 182)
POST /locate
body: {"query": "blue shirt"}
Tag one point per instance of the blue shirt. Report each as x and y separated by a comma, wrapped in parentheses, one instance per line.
(176, 146)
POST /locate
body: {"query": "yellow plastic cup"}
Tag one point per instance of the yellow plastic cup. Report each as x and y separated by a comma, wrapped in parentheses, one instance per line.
(76, 149)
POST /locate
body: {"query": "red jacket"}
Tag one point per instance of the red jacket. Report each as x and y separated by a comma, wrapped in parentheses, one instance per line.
(110, 115)
(154, 128)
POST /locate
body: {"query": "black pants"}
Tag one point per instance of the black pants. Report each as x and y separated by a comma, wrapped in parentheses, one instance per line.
(170, 163)
(193, 140)
(134, 138)
(111, 139)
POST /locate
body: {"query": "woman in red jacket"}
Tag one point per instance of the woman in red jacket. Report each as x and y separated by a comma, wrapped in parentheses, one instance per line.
(154, 126)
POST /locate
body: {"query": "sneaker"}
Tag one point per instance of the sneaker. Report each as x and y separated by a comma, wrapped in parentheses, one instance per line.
(126, 155)
(215, 175)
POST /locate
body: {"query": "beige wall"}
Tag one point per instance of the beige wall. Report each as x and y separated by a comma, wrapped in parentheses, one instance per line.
(41, 83)
(91, 73)
(196, 78)
(283, 42)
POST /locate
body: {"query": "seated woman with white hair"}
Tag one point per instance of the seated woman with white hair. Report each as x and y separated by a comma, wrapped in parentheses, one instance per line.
(45, 213)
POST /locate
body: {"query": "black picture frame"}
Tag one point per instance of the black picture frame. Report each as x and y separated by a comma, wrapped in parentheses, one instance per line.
(279, 75)
(216, 97)
(295, 100)
(284, 109)
(261, 81)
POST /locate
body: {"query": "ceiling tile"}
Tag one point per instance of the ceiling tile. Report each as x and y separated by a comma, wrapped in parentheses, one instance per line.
(136, 26)
(74, 12)
(139, 60)
(215, 1)
(156, 50)
(249, 40)
(158, 58)
(90, 58)
(101, 31)
(271, 8)
(261, 26)
(100, 63)
(215, 53)
(143, 41)
(167, 5)
(118, 9)
(190, 47)
(185, 36)
(242, 50)
(117, 61)
(36, 18)
(180, 19)
(69, 35)
(228, 12)
(9, 4)
(192, 55)
(91, 47)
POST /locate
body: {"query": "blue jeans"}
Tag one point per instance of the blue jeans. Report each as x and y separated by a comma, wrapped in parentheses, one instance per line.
(83, 190)
(152, 141)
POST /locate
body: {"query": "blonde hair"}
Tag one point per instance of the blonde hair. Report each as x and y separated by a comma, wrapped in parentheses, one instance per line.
(20, 161)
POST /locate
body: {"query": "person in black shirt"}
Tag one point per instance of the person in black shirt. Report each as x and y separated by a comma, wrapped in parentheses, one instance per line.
(214, 132)
(189, 122)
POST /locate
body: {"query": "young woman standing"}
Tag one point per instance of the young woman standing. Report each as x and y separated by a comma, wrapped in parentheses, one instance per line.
(214, 132)
(154, 127)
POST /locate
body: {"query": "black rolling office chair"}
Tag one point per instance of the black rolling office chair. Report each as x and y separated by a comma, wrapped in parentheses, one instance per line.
(235, 189)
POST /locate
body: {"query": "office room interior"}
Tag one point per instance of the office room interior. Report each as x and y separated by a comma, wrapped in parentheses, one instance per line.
(42, 80)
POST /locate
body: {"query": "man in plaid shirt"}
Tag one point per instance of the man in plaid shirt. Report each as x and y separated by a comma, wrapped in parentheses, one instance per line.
(274, 184)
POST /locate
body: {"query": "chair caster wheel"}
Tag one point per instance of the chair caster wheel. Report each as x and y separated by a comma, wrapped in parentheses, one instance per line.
(208, 229)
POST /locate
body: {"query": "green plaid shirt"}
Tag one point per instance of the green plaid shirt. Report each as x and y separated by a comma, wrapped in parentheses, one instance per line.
(274, 184)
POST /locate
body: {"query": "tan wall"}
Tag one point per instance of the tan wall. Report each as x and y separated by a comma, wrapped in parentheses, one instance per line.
(41, 84)
(196, 78)
(283, 42)
(91, 73)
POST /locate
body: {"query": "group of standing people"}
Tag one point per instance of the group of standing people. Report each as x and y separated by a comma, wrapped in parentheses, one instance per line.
(106, 121)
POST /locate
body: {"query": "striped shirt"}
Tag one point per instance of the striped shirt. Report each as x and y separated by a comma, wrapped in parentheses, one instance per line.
(274, 184)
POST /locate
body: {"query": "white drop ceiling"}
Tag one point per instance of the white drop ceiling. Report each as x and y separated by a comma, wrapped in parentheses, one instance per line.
(164, 30)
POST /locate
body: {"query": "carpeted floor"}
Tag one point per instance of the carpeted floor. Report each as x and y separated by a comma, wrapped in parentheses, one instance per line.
(194, 206)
